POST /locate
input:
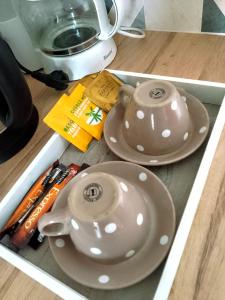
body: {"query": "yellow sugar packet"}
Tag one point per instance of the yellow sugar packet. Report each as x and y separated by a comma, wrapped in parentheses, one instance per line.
(104, 90)
(67, 128)
(86, 114)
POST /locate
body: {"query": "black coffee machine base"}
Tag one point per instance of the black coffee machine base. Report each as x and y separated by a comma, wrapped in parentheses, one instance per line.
(12, 141)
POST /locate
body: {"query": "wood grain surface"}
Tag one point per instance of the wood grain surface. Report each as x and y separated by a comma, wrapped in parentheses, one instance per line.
(201, 272)
(16, 285)
(173, 54)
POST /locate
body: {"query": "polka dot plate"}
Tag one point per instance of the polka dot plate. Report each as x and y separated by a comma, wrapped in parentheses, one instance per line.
(135, 266)
(115, 124)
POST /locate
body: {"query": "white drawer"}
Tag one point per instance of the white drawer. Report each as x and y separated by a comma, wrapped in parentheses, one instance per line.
(185, 180)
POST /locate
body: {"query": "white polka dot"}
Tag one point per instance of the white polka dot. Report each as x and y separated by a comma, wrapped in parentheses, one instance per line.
(140, 219)
(130, 253)
(153, 121)
(166, 133)
(142, 176)
(84, 174)
(127, 125)
(202, 130)
(185, 136)
(74, 224)
(174, 105)
(184, 98)
(164, 240)
(96, 251)
(103, 279)
(113, 140)
(140, 148)
(140, 114)
(153, 161)
(138, 83)
(124, 186)
(110, 228)
(60, 243)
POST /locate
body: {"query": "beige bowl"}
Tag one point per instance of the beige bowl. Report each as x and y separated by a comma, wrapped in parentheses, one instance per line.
(106, 218)
(157, 242)
(156, 119)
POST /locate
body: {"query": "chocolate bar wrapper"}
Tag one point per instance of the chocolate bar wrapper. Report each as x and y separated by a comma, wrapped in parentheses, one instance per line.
(24, 233)
(38, 239)
(35, 192)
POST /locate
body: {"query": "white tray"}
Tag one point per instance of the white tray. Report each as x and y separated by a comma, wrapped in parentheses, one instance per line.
(212, 95)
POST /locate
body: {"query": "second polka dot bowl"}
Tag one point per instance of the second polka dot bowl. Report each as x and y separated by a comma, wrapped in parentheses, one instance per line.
(138, 264)
(106, 218)
(156, 118)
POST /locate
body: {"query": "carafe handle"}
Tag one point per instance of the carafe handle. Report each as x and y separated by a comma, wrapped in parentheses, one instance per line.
(106, 29)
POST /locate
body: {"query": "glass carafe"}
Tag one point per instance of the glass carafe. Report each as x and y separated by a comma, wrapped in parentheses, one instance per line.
(60, 27)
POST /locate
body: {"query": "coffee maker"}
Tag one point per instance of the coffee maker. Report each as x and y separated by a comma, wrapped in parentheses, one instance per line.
(18, 116)
(71, 36)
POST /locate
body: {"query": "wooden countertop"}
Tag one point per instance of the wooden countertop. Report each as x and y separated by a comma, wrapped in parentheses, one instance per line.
(201, 272)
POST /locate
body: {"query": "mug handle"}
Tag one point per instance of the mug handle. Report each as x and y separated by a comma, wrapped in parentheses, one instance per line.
(55, 223)
(126, 94)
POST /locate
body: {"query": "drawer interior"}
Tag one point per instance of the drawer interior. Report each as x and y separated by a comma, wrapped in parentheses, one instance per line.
(178, 177)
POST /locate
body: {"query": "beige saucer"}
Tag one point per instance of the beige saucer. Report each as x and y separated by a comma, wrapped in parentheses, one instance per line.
(138, 265)
(113, 133)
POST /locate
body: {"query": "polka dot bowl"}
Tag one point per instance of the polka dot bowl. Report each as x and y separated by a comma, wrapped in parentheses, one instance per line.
(106, 218)
(156, 119)
(137, 265)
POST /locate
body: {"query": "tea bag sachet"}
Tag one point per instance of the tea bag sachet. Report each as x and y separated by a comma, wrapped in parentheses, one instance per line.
(85, 81)
(104, 90)
(81, 114)
(86, 114)
(67, 128)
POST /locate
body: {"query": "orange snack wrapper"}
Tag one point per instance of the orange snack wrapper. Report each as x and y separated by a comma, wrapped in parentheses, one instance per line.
(24, 233)
(35, 192)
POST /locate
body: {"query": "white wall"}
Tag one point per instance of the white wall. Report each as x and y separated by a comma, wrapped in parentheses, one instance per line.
(173, 15)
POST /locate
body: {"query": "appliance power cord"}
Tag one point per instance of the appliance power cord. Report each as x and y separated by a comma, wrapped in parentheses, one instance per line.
(132, 32)
(58, 80)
